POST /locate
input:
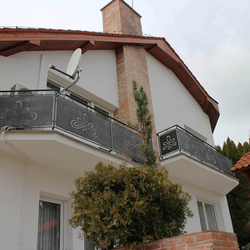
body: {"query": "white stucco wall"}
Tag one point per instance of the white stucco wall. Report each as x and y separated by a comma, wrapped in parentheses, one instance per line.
(173, 104)
(98, 78)
(218, 200)
(37, 180)
(11, 181)
(33, 180)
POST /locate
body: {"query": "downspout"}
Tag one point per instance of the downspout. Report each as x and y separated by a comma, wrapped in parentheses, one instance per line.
(3, 132)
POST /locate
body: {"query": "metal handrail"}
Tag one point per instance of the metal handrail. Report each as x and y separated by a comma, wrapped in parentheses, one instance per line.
(176, 140)
(36, 108)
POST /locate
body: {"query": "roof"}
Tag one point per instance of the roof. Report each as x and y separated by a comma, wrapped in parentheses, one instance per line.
(243, 164)
(16, 40)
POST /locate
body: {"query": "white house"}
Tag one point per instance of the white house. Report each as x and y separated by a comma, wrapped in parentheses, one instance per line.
(49, 140)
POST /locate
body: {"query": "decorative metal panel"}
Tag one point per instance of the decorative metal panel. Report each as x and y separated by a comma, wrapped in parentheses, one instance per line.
(189, 144)
(83, 122)
(207, 154)
(26, 110)
(33, 110)
(193, 147)
(168, 142)
(127, 142)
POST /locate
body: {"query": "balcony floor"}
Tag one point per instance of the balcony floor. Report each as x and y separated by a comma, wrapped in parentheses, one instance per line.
(55, 149)
(191, 171)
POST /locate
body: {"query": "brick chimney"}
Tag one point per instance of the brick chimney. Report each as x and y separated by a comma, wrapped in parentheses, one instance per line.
(131, 63)
(119, 17)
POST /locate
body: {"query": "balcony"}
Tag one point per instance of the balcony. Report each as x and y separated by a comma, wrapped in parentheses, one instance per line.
(191, 160)
(176, 140)
(42, 111)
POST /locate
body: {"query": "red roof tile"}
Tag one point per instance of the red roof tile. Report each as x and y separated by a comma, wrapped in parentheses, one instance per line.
(242, 164)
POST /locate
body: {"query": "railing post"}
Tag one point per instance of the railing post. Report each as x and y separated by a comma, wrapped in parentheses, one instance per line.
(178, 137)
(111, 134)
(54, 109)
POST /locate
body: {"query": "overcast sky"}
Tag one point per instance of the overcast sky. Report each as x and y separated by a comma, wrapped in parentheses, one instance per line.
(211, 36)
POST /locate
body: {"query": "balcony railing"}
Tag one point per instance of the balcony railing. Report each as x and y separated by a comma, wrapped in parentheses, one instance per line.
(48, 109)
(176, 140)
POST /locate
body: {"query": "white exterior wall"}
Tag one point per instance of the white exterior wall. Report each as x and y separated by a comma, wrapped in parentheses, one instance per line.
(218, 200)
(173, 104)
(30, 182)
(98, 78)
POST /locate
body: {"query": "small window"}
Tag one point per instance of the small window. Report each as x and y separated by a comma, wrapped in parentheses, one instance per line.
(101, 112)
(52, 86)
(82, 102)
(88, 245)
(77, 99)
(49, 225)
(207, 216)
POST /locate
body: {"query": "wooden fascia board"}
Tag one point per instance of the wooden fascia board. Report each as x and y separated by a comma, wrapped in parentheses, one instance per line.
(24, 36)
(167, 49)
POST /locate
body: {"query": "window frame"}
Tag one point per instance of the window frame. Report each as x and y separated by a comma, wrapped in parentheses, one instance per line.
(62, 217)
(75, 97)
(98, 110)
(203, 202)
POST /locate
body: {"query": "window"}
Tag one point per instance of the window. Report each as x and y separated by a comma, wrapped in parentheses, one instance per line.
(82, 102)
(88, 245)
(207, 216)
(50, 224)
(52, 86)
(101, 112)
(75, 98)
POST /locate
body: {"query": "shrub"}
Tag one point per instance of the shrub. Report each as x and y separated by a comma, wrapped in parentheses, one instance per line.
(246, 247)
(128, 206)
(144, 125)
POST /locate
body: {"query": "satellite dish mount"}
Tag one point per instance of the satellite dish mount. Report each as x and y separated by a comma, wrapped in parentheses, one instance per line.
(73, 69)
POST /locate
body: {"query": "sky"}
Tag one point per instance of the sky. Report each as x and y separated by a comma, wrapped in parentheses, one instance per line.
(212, 37)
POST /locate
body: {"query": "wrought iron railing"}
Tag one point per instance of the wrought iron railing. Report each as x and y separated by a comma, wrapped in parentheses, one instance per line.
(176, 140)
(44, 108)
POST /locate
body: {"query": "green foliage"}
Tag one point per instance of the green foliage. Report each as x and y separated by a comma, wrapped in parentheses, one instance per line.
(128, 206)
(144, 125)
(246, 247)
(238, 199)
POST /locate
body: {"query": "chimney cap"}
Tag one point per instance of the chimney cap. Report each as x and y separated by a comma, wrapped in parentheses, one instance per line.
(124, 3)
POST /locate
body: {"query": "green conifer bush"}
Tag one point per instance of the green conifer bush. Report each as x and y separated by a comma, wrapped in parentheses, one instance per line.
(144, 125)
(128, 206)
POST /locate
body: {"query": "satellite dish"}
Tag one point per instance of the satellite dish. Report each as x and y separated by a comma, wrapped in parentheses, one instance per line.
(74, 62)
(72, 69)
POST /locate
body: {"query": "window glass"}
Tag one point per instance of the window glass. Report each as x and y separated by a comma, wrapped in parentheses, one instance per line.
(102, 112)
(211, 219)
(48, 226)
(52, 86)
(202, 216)
(207, 216)
(79, 100)
(88, 245)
